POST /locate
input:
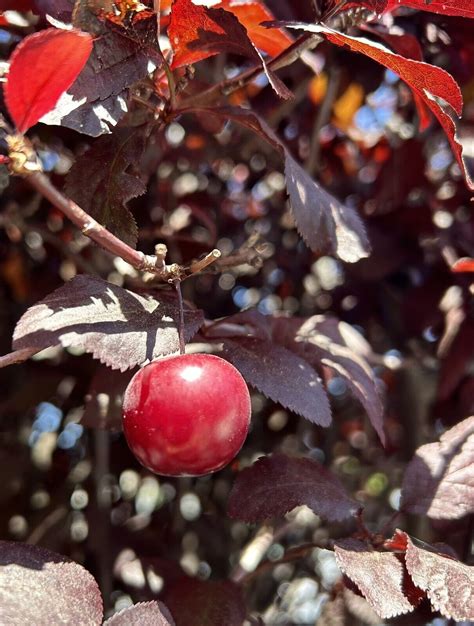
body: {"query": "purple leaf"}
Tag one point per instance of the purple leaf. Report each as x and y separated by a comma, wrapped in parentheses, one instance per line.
(335, 345)
(277, 484)
(280, 375)
(326, 225)
(101, 181)
(439, 480)
(378, 575)
(207, 603)
(97, 100)
(37, 586)
(142, 614)
(448, 583)
(120, 328)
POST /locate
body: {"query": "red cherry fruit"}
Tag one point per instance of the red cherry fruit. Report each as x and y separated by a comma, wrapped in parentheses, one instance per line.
(186, 415)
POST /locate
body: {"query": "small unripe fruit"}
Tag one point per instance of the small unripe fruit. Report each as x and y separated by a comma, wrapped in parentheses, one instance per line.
(186, 415)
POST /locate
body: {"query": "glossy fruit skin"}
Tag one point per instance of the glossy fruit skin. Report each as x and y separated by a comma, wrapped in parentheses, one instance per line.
(186, 415)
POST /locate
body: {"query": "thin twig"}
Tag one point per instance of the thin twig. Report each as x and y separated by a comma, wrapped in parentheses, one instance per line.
(18, 356)
(202, 264)
(166, 66)
(293, 554)
(46, 524)
(182, 344)
(324, 114)
(287, 57)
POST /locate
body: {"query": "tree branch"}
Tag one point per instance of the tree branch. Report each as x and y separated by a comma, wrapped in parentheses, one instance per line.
(89, 226)
(226, 87)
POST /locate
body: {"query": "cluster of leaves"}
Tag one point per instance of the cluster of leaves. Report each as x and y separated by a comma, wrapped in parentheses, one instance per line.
(110, 77)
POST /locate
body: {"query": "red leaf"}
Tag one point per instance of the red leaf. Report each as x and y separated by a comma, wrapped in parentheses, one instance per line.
(463, 265)
(430, 83)
(251, 15)
(463, 8)
(378, 575)
(197, 32)
(43, 66)
(277, 484)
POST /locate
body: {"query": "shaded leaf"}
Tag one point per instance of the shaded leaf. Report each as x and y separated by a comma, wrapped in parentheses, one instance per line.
(98, 99)
(433, 85)
(439, 480)
(101, 181)
(120, 328)
(141, 614)
(378, 575)
(37, 586)
(335, 344)
(280, 375)
(207, 603)
(326, 225)
(448, 583)
(197, 32)
(276, 484)
(42, 67)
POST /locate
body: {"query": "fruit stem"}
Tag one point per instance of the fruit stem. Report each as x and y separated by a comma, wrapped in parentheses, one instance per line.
(177, 286)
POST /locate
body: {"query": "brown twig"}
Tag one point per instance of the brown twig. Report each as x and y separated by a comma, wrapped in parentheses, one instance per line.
(18, 356)
(226, 87)
(53, 518)
(293, 554)
(202, 264)
(89, 226)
